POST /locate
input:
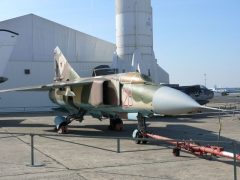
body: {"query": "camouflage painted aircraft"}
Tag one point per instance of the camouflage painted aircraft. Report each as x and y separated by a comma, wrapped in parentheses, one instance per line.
(128, 95)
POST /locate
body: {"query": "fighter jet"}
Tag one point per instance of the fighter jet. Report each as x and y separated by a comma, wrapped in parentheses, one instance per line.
(127, 95)
(8, 40)
(198, 92)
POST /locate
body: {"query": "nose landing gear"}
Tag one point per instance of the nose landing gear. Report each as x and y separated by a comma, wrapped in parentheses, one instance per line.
(141, 131)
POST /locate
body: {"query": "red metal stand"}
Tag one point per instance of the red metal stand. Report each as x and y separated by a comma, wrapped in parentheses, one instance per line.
(194, 148)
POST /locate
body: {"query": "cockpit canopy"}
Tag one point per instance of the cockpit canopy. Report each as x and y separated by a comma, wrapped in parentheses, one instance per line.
(135, 78)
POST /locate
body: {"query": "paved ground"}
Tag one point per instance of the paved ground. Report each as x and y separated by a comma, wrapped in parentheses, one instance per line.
(94, 158)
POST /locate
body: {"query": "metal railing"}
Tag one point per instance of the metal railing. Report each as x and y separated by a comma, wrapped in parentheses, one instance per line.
(118, 144)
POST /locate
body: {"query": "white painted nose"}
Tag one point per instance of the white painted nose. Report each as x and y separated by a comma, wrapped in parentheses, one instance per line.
(169, 101)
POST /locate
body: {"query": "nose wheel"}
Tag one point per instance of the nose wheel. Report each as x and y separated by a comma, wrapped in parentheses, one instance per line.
(116, 124)
(142, 129)
(139, 137)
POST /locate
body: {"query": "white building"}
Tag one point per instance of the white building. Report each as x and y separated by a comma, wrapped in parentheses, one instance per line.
(31, 62)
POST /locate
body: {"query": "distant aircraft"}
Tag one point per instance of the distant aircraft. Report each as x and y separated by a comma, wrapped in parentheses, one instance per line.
(198, 92)
(127, 95)
(226, 91)
(3, 79)
(219, 91)
(8, 41)
(233, 91)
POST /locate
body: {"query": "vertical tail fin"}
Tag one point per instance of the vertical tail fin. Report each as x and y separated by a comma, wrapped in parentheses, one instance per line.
(135, 66)
(63, 70)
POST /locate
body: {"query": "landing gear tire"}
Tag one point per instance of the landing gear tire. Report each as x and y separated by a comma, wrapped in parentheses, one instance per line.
(63, 130)
(61, 124)
(176, 151)
(137, 134)
(144, 141)
(119, 127)
(110, 127)
(116, 124)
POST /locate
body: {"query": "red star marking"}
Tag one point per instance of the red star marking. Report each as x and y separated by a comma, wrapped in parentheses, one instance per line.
(128, 101)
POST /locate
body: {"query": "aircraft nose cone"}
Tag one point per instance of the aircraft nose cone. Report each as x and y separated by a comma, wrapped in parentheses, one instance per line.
(169, 101)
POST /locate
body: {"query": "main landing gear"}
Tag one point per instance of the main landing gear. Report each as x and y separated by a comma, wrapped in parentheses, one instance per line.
(140, 132)
(62, 130)
(61, 123)
(116, 124)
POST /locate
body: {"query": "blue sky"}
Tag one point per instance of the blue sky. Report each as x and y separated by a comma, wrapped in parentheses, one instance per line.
(191, 37)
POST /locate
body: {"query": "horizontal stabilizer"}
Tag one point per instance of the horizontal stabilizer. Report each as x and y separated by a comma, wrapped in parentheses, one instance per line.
(32, 88)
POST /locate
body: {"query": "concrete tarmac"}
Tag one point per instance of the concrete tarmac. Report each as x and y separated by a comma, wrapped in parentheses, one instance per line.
(96, 158)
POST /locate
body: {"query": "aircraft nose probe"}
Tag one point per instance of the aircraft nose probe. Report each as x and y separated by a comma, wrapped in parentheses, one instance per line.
(169, 101)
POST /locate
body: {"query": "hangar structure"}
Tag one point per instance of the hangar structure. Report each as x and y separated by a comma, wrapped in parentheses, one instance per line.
(31, 62)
